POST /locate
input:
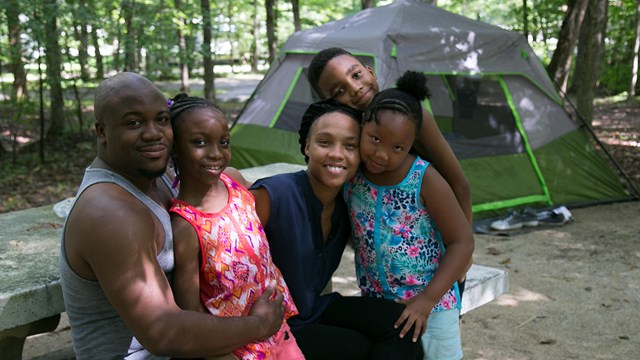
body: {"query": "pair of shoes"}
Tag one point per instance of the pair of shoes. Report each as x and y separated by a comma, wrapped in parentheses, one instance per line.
(554, 217)
(529, 217)
(516, 220)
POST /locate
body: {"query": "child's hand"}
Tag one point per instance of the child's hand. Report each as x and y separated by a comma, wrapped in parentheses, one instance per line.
(269, 309)
(415, 314)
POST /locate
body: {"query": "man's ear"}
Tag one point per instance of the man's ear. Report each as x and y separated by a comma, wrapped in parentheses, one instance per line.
(102, 137)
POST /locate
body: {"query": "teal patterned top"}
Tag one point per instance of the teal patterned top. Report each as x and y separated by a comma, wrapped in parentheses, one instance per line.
(397, 244)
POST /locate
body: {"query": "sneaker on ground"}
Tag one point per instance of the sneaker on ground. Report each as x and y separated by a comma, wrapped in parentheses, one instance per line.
(550, 217)
(529, 217)
(564, 211)
(512, 221)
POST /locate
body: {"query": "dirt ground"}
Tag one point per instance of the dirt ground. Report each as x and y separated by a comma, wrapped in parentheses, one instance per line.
(574, 291)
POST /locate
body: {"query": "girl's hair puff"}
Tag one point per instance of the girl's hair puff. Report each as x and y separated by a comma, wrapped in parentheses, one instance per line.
(406, 98)
(414, 83)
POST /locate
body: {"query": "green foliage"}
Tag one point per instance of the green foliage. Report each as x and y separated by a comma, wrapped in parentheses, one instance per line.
(156, 23)
(505, 14)
(616, 69)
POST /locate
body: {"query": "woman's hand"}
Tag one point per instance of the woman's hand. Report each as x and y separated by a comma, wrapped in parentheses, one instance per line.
(415, 315)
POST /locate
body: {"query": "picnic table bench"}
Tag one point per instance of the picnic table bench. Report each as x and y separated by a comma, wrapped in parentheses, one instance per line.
(30, 292)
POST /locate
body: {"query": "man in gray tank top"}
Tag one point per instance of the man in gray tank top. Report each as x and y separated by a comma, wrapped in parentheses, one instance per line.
(117, 245)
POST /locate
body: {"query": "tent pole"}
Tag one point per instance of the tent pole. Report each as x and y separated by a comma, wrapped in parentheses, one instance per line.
(525, 140)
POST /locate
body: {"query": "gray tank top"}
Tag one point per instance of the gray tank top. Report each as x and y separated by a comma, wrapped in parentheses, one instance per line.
(97, 330)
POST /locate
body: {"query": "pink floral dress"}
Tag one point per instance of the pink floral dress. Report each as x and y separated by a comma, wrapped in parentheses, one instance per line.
(236, 264)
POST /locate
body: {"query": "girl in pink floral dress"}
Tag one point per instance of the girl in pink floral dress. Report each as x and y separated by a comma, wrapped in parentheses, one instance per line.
(223, 263)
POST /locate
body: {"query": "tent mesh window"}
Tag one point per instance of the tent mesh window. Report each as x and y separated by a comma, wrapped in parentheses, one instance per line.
(473, 114)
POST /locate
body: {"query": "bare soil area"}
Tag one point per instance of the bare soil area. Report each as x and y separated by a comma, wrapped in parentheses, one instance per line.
(573, 290)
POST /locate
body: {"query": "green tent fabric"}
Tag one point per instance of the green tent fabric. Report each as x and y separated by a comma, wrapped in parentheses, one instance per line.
(491, 98)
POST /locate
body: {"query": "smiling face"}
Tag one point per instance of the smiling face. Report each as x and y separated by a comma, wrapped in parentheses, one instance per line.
(347, 80)
(332, 148)
(202, 146)
(134, 131)
(385, 143)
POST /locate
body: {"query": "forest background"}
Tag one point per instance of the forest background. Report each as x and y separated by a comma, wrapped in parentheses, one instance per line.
(53, 53)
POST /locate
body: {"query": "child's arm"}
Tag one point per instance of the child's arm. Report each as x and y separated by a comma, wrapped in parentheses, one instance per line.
(433, 145)
(186, 282)
(263, 204)
(456, 234)
(237, 176)
(436, 149)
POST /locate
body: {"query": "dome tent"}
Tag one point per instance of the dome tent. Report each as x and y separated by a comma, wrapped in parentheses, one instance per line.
(491, 98)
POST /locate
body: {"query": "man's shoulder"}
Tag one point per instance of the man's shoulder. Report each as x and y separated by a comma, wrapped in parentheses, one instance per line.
(108, 201)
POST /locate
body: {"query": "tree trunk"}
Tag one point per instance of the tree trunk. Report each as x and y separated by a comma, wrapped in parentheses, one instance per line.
(117, 44)
(209, 87)
(590, 50)
(94, 39)
(40, 106)
(525, 20)
(98, 54)
(12, 11)
(182, 50)
(54, 67)
(295, 8)
(81, 30)
(560, 64)
(76, 93)
(231, 35)
(254, 41)
(634, 63)
(130, 37)
(271, 29)
(367, 4)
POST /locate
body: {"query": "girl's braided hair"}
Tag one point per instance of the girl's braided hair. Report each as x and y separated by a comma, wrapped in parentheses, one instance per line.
(317, 109)
(182, 104)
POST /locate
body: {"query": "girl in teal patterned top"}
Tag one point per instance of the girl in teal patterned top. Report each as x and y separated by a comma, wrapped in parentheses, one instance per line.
(403, 214)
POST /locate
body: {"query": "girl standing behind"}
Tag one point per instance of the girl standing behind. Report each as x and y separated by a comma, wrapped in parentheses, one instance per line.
(223, 263)
(403, 213)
